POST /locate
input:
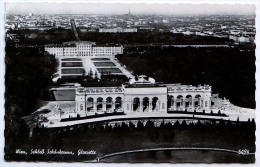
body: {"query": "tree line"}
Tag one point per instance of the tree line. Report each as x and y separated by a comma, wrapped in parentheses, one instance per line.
(59, 35)
(164, 131)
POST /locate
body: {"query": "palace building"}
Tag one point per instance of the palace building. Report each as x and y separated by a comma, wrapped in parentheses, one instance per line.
(83, 48)
(143, 95)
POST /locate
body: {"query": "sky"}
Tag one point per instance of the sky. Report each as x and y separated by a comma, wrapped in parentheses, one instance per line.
(135, 8)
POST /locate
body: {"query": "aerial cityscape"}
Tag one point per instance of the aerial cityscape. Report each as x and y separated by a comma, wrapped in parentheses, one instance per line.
(236, 27)
(131, 87)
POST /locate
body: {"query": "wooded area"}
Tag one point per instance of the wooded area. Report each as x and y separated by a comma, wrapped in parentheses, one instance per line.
(59, 35)
(230, 71)
(28, 72)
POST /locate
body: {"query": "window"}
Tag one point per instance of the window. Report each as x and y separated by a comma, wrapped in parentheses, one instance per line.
(162, 105)
(127, 106)
(206, 103)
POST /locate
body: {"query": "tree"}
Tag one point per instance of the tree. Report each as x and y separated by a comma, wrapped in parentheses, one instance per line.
(83, 73)
(183, 124)
(198, 124)
(124, 126)
(177, 123)
(162, 124)
(90, 73)
(140, 125)
(96, 76)
(213, 123)
(131, 125)
(221, 123)
(168, 125)
(149, 124)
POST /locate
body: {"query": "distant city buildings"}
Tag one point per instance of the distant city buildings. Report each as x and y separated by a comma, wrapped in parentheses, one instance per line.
(238, 28)
(117, 30)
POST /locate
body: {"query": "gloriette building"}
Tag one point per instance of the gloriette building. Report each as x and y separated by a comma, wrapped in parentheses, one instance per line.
(143, 95)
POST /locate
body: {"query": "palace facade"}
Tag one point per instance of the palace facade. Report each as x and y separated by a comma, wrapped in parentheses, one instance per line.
(143, 95)
(83, 48)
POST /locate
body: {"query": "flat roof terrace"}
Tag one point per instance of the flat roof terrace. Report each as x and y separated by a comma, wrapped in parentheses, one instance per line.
(178, 87)
(102, 90)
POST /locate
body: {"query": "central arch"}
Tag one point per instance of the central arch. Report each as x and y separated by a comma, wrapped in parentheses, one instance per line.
(145, 103)
(136, 103)
(154, 102)
(108, 103)
(179, 101)
(197, 100)
(170, 101)
(188, 101)
(99, 103)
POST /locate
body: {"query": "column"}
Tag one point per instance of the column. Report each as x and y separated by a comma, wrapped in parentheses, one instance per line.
(159, 105)
(175, 105)
(113, 105)
(141, 106)
(192, 104)
(150, 106)
(122, 104)
(94, 105)
(103, 106)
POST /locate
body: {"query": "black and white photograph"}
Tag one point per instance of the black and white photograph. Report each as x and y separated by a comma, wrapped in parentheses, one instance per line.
(133, 82)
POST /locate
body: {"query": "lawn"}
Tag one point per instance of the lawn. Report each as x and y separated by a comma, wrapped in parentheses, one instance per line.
(98, 64)
(109, 70)
(71, 64)
(73, 71)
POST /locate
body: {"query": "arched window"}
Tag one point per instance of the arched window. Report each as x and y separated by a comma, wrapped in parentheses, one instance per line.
(109, 103)
(170, 101)
(99, 103)
(118, 102)
(136, 103)
(154, 102)
(90, 103)
(188, 101)
(197, 100)
(145, 103)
